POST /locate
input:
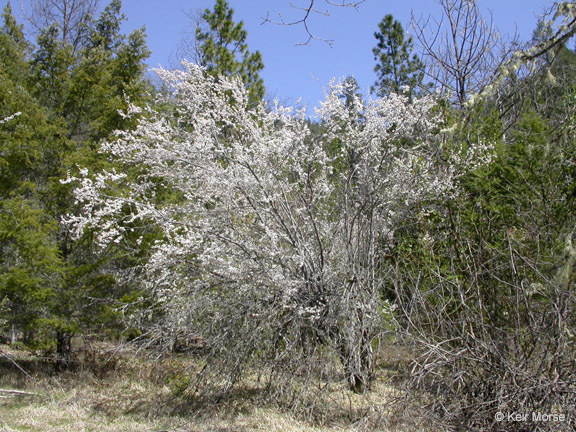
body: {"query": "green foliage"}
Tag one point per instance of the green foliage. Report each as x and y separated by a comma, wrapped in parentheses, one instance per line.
(51, 64)
(223, 50)
(111, 71)
(67, 99)
(13, 45)
(490, 271)
(396, 66)
(31, 268)
(87, 88)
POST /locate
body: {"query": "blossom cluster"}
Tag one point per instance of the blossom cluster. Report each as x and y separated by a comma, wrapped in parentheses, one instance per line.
(257, 202)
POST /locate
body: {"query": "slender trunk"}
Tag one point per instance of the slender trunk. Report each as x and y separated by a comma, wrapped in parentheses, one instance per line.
(357, 359)
(63, 349)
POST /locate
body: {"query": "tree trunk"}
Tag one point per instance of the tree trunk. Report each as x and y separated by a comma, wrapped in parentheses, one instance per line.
(63, 349)
(357, 359)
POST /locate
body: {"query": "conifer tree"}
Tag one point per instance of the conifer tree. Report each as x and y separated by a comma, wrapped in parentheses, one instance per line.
(14, 47)
(106, 74)
(396, 66)
(67, 100)
(222, 49)
(30, 265)
(111, 71)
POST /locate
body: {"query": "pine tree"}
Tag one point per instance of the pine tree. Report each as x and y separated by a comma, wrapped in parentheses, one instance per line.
(13, 52)
(395, 65)
(222, 50)
(88, 87)
(106, 74)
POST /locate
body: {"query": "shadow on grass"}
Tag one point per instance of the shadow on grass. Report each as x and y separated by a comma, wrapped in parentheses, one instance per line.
(120, 385)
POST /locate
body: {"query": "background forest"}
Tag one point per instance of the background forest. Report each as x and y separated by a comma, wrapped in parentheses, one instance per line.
(291, 252)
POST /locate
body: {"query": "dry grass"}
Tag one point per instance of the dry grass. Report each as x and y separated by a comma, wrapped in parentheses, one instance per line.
(133, 394)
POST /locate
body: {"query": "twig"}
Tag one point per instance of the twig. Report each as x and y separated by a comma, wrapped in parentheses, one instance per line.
(11, 360)
(19, 393)
(307, 11)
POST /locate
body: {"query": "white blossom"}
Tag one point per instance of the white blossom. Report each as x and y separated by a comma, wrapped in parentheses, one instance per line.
(9, 118)
(260, 207)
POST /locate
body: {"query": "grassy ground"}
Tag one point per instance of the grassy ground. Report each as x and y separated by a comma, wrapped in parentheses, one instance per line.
(121, 392)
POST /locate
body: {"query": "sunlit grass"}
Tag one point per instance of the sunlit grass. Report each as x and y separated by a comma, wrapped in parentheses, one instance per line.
(144, 395)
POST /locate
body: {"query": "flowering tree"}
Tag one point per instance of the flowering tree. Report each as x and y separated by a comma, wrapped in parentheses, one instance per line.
(271, 247)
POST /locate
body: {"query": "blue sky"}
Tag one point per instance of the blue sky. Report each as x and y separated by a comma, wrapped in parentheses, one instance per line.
(293, 71)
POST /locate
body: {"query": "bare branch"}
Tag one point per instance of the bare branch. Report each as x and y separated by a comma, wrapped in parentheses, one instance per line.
(189, 47)
(464, 58)
(560, 37)
(69, 16)
(307, 12)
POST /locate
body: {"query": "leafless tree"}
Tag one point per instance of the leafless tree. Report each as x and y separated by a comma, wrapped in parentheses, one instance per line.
(188, 48)
(462, 50)
(538, 73)
(69, 16)
(492, 308)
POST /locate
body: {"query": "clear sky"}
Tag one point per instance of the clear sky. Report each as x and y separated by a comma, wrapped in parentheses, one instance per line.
(292, 71)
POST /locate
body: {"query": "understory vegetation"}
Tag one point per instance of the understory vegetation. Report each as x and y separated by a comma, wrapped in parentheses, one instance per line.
(188, 256)
(111, 387)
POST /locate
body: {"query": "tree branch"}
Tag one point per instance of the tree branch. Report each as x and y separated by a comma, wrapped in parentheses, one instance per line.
(307, 12)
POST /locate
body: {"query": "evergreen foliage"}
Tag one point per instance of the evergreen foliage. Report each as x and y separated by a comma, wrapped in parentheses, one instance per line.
(222, 50)
(396, 66)
(66, 100)
(31, 270)
(293, 244)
